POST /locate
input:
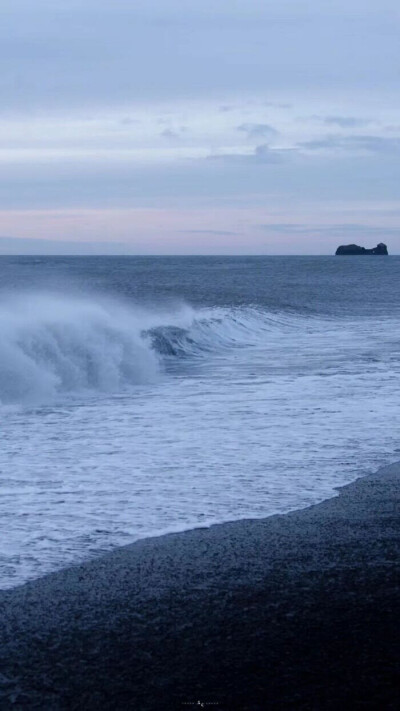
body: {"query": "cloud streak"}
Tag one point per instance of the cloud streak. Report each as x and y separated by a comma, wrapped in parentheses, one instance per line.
(370, 144)
(346, 229)
(258, 130)
(32, 246)
(262, 155)
(345, 121)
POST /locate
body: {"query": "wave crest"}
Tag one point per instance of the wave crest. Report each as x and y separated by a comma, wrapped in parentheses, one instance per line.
(218, 328)
(50, 344)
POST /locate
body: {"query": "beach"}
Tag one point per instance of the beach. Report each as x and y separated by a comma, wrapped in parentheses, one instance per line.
(199, 355)
(292, 611)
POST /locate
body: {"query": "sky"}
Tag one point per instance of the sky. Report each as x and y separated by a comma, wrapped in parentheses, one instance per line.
(199, 126)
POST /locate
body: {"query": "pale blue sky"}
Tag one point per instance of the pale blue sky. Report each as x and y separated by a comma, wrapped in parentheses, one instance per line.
(168, 126)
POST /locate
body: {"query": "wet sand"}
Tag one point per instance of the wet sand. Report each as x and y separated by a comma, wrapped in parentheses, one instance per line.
(290, 612)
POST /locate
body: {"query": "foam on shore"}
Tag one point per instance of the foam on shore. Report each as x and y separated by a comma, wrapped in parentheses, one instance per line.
(293, 611)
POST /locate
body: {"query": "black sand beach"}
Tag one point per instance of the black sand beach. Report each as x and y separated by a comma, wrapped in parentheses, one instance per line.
(291, 612)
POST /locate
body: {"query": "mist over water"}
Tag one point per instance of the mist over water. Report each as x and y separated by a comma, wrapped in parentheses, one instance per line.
(128, 409)
(53, 344)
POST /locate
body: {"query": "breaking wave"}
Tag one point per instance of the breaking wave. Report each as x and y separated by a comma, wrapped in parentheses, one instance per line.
(216, 329)
(53, 344)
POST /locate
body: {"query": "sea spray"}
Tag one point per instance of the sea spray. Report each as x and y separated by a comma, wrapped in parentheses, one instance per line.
(53, 343)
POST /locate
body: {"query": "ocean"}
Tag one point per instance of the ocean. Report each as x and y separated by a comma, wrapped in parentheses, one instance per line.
(145, 395)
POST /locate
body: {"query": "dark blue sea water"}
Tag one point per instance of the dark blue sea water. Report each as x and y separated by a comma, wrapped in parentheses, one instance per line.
(321, 285)
(146, 395)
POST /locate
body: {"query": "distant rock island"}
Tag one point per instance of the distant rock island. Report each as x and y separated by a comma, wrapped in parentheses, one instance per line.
(355, 249)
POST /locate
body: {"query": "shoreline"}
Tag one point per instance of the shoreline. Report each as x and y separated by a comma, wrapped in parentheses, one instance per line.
(86, 558)
(295, 610)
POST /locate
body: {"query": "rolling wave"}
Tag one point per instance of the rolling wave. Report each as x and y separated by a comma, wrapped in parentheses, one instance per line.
(206, 334)
(216, 329)
(53, 344)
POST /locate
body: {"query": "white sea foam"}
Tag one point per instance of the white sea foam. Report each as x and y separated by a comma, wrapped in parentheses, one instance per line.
(150, 420)
(52, 343)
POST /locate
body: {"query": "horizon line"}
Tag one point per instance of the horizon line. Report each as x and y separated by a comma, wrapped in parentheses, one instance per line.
(100, 254)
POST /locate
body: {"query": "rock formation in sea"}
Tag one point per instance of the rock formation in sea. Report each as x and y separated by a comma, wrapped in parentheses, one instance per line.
(355, 249)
